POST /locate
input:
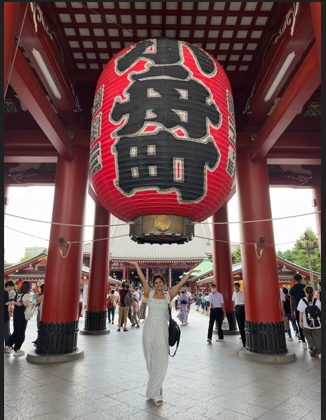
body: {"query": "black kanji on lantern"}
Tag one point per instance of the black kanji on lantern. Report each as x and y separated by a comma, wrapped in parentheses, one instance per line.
(165, 163)
(169, 102)
(163, 52)
(166, 97)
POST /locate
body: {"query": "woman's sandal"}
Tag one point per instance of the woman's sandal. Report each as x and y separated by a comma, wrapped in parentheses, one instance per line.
(158, 401)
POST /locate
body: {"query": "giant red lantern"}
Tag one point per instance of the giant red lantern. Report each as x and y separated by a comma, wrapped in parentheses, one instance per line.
(163, 138)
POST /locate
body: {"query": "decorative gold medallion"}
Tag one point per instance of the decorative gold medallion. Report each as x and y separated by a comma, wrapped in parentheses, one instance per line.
(162, 223)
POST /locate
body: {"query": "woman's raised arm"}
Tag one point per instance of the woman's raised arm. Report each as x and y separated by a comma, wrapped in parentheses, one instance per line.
(142, 279)
(174, 291)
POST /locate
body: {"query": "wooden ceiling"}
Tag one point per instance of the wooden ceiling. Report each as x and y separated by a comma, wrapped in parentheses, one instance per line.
(252, 40)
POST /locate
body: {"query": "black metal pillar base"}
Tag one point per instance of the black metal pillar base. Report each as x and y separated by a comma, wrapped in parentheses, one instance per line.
(95, 321)
(57, 338)
(233, 330)
(232, 321)
(267, 338)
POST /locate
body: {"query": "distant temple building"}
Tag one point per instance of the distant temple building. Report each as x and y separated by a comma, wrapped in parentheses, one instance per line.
(170, 260)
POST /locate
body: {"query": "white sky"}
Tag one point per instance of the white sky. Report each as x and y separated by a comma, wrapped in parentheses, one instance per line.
(37, 202)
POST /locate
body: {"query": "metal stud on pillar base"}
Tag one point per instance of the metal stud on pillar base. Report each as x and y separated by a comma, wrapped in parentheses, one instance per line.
(56, 343)
(57, 338)
(265, 342)
(263, 337)
(95, 323)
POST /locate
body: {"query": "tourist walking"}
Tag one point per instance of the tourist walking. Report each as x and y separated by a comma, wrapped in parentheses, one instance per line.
(197, 301)
(143, 307)
(183, 308)
(135, 309)
(17, 338)
(238, 299)
(288, 318)
(203, 302)
(207, 304)
(309, 309)
(155, 332)
(217, 313)
(111, 305)
(123, 308)
(296, 294)
(7, 301)
(176, 302)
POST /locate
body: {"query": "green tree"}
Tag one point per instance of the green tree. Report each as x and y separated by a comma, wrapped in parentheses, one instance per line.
(237, 254)
(299, 255)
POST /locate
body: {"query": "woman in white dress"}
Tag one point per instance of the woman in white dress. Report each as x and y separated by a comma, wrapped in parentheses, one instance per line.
(155, 332)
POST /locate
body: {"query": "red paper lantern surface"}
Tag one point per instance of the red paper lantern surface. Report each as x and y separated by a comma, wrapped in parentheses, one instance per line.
(163, 132)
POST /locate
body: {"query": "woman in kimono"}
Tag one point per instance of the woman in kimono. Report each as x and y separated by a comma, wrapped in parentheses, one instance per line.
(155, 332)
(183, 308)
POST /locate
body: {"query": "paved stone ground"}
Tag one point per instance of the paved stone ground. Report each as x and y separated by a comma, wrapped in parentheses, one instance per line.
(203, 382)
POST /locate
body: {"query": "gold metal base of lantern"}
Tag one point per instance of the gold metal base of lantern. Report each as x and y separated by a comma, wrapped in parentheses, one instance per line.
(161, 229)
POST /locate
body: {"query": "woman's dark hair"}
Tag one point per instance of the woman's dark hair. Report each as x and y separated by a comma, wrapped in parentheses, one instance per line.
(42, 288)
(127, 286)
(310, 292)
(236, 284)
(25, 287)
(112, 291)
(285, 291)
(158, 276)
(123, 284)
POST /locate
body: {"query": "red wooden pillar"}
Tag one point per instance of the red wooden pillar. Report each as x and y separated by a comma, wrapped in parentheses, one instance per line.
(170, 278)
(11, 17)
(124, 273)
(98, 281)
(222, 263)
(59, 324)
(264, 326)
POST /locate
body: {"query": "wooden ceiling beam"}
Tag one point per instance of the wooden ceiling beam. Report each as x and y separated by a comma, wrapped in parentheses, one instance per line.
(303, 84)
(11, 18)
(288, 42)
(41, 48)
(32, 95)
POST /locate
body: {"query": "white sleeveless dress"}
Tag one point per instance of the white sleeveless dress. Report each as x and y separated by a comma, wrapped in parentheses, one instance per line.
(156, 344)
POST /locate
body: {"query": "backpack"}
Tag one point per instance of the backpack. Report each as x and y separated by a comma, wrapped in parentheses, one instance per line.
(128, 300)
(174, 333)
(313, 314)
(109, 303)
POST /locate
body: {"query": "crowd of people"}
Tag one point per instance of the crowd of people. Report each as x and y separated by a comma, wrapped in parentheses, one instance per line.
(300, 307)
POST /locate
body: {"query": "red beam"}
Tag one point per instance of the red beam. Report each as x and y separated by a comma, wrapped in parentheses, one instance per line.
(11, 15)
(302, 86)
(281, 45)
(30, 92)
(299, 140)
(42, 43)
